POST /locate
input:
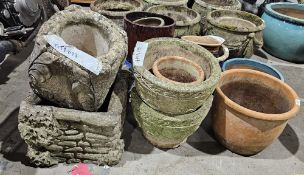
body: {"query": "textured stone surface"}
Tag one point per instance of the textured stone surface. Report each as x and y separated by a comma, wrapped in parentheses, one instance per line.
(56, 135)
(149, 3)
(167, 131)
(168, 97)
(117, 9)
(62, 81)
(187, 20)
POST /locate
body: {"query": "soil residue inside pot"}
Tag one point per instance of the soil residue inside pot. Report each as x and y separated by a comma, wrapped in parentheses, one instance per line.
(291, 12)
(256, 97)
(177, 75)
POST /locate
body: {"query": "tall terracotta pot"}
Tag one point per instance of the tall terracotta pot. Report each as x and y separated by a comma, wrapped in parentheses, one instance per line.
(251, 109)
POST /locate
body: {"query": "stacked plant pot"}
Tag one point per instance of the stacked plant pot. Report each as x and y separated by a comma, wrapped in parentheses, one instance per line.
(75, 115)
(169, 112)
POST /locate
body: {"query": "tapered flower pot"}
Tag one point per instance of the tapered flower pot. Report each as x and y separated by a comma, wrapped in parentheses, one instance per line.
(242, 31)
(117, 9)
(187, 20)
(251, 109)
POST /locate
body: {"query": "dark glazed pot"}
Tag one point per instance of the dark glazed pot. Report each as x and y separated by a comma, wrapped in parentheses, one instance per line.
(138, 32)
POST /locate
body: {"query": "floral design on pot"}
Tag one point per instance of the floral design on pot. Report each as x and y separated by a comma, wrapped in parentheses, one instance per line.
(283, 35)
(251, 110)
(242, 31)
(187, 20)
(205, 6)
(163, 130)
(178, 70)
(245, 63)
(117, 9)
(62, 81)
(149, 3)
(139, 32)
(213, 43)
(169, 97)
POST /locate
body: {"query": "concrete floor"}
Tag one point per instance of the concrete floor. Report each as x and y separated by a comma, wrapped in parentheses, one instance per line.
(201, 154)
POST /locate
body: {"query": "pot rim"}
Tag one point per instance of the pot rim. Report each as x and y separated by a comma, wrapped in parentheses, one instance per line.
(161, 20)
(236, 3)
(196, 20)
(269, 10)
(186, 37)
(254, 114)
(213, 22)
(180, 59)
(242, 60)
(115, 13)
(175, 3)
(126, 19)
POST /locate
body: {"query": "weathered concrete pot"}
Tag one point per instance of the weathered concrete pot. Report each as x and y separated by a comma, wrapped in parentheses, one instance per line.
(138, 32)
(62, 81)
(178, 70)
(150, 21)
(149, 3)
(203, 7)
(163, 130)
(242, 31)
(117, 9)
(187, 20)
(55, 134)
(251, 110)
(168, 97)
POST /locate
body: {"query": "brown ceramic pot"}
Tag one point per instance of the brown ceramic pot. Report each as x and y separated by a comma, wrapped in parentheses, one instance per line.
(178, 70)
(251, 110)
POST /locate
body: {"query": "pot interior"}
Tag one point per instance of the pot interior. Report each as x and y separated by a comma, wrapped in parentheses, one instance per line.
(150, 21)
(255, 95)
(117, 6)
(220, 2)
(235, 22)
(87, 38)
(295, 13)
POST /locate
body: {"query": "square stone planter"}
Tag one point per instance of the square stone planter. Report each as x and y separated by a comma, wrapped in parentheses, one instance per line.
(56, 134)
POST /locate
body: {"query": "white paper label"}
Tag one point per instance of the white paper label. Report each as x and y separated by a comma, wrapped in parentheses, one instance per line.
(139, 53)
(87, 61)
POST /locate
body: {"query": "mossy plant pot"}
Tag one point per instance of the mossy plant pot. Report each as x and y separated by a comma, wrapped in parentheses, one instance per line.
(203, 7)
(242, 31)
(62, 81)
(283, 35)
(251, 110)
(173, 98)
(187, 20)
(163, 130)
(117, 9)
(178, 70)
(149, 3)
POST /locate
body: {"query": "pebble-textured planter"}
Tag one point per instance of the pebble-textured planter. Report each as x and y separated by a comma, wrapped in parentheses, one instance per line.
(168, 97)
(242, 31)
(149, 3)
(205, 6)
(62, 81)
(56, 135)
(251, 109)
(117, 9)
(187, 20)
(163, 130)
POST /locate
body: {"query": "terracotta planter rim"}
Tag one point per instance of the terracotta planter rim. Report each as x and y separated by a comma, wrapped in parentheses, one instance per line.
(254, 114)
(181, 59)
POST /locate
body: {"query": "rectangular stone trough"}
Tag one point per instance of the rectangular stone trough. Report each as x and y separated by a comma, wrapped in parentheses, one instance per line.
(56, 135)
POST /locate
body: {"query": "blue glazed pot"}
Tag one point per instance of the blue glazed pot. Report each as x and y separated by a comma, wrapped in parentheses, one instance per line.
(284, 35)
(245, 63)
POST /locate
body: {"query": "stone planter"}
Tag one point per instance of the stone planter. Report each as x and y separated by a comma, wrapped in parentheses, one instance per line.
(117, 9)
(280, 28)
(149, 3)
(137, 32)
(163, 130)
(251, 110)
(150, 21)
(242, 31)
(187, 20)
(55, 134)
(203, 7)
(62, 81)
(168, 97)
(178, 70)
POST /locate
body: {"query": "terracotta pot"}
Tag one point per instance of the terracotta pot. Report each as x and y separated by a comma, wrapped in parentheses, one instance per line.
(251, 110)
(178, 70)
(150, 21)
(137, 32)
